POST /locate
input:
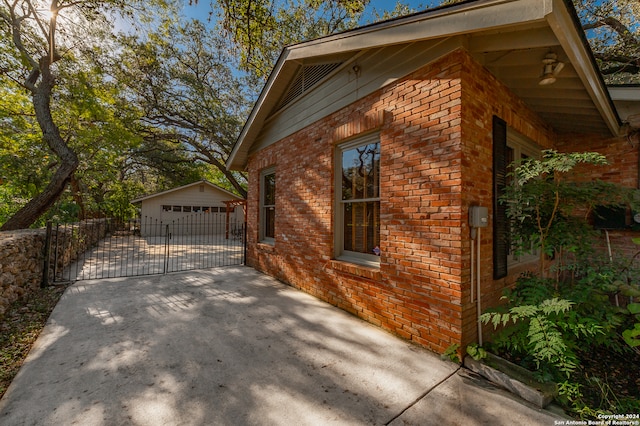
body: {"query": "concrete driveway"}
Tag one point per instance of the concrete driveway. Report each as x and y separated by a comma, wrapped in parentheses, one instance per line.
(231, 346)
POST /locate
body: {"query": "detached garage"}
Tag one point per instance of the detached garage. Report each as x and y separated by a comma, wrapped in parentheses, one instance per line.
(194, 209)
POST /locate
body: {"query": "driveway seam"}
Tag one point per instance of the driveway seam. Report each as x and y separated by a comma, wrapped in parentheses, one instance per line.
(423, 395)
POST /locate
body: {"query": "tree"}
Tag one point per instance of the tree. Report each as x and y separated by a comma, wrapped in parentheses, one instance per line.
(35, 51)
(42, 45)
(549, 205)
(261, 28)
(190, 98)
(25, 164)
(104, 132)
(613, 28)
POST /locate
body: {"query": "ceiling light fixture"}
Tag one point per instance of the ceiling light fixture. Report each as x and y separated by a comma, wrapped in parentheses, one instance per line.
(551, 68)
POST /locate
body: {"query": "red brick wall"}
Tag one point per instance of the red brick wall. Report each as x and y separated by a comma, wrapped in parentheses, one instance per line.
(436, 161)
(483, 97)
(416, 292)
(622, 156)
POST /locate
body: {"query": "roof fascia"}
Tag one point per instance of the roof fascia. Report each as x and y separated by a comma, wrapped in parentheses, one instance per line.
(565, 24)
(463, 18)
(476, 16)
(460, 18)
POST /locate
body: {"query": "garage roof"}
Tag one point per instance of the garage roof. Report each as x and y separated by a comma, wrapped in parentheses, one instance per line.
(179, 188)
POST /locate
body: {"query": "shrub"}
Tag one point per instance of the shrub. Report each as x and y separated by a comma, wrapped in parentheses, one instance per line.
(564, 310)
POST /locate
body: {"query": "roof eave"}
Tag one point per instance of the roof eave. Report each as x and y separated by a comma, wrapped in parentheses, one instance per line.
(476, 16)
(565, 25)
(238, 156)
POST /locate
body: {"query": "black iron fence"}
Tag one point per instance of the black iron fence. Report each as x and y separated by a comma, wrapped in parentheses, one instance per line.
(108, 248)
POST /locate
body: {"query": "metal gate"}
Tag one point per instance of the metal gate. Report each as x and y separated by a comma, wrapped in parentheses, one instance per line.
(107, 248)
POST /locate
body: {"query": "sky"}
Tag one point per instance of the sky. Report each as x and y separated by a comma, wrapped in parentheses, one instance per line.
(201, 10)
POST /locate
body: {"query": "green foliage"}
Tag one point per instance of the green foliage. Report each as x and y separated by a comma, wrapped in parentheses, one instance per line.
(549, 335)
(50, 57)
(262, 28)
(631, 336)
(191, 103)
(548, 204)
(451, 353)
(570, 394)
(25, 162)
(476, 352)
(613, 31)
(552, 318)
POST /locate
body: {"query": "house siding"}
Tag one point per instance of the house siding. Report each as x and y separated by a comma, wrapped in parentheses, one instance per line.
(375, 70)
(436, 162)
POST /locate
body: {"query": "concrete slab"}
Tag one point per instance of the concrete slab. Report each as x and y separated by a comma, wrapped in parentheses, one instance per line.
(132, 255)
(465, 398)
(227, 346)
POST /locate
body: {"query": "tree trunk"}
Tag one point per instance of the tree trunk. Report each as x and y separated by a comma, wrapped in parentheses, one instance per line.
(234, 182)
(76, 192)
(35, 208)
(228, 174)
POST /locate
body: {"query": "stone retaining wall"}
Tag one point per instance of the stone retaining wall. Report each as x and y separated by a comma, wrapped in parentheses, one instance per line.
(21, 263)
(22, 255)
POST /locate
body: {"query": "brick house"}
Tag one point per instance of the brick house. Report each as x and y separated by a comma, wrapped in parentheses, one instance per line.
(367, 150)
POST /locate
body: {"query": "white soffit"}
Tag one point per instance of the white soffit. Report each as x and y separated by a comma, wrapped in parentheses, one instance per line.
(627, 102)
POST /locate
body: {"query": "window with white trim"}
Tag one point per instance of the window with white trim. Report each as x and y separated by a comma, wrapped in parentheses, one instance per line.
(357, 232)
(268, 205)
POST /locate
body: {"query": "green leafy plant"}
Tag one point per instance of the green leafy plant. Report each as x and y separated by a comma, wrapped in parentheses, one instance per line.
(550, 333)
(476, 352)
(632, 336)
(451, 353)
(556, 316)
(549, 205)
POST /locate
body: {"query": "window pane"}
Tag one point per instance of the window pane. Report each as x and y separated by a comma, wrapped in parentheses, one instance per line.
(362, 227)
(268, 210)
(360, 172)
(270, 222)
(270, 189)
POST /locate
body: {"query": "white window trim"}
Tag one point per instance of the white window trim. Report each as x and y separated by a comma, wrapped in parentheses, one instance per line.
(339, 252)
(262, 216)
(522, 145)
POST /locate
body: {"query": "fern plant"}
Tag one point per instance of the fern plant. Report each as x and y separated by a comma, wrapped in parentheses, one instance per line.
(551, 334)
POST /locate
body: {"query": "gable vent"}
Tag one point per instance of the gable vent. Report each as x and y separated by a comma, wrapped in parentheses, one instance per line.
(308, 77)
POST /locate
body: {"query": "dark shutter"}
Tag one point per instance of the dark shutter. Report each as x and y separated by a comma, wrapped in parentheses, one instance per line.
(500, 222)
